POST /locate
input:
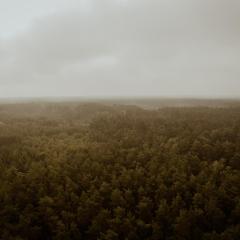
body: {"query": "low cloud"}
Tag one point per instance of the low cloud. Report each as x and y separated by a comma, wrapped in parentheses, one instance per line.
(175, 48)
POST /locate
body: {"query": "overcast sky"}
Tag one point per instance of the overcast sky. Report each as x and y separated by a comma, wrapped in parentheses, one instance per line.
(120, 48)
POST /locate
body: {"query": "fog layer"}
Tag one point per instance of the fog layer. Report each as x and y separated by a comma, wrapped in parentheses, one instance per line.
(120, 48)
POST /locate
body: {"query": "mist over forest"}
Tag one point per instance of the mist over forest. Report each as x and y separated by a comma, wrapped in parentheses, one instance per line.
(105, 170)
(119, 120)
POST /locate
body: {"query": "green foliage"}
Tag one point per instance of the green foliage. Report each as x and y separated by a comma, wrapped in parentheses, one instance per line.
(126, 173)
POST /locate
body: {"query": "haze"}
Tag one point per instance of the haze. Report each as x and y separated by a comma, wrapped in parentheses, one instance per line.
(120, 48)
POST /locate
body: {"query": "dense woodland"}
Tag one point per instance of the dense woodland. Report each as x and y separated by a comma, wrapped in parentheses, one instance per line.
(95, 171)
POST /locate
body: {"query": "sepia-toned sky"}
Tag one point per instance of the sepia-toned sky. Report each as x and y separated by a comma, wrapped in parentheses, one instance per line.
(175, 48)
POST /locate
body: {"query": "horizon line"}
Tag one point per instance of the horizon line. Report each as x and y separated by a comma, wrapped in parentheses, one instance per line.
(118, 97)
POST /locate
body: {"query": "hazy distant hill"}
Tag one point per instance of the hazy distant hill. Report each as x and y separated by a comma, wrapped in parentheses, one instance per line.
(57, 110)
(152, 103)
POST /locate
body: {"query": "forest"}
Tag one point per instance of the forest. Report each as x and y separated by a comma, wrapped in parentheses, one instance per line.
(71, 170)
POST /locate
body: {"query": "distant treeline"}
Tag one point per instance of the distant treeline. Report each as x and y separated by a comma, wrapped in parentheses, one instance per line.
(95, 171)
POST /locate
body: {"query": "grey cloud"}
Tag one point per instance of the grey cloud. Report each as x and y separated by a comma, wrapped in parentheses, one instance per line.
(134, 47)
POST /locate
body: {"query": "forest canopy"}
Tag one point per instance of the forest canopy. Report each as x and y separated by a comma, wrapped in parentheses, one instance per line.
(102, 171)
